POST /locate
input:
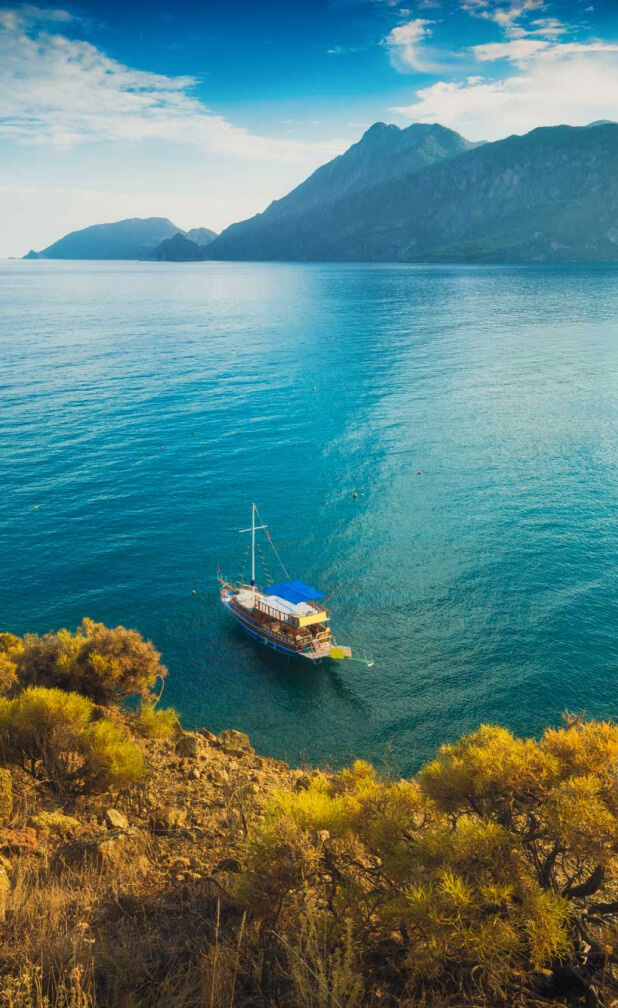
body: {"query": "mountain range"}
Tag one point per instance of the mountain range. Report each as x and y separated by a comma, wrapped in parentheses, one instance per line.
(423, 193)
(426, 194)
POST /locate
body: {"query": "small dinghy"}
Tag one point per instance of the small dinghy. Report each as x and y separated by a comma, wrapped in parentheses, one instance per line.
(290, 617)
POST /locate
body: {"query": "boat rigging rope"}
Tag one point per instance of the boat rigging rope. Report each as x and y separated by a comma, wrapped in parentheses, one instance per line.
(243, 569)
(274, 548)
(267, 574)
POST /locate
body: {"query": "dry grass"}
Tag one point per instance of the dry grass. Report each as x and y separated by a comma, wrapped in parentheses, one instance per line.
(153, 915)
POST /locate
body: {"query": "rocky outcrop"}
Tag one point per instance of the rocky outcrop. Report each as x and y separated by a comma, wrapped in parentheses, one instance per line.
(54, 824)
(235, 743)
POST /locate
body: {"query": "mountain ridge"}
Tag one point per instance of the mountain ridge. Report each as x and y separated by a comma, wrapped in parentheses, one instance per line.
(549, 195)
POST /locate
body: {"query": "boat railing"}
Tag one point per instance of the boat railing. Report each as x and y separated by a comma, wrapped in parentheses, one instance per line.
(261, 606)
(297, 643)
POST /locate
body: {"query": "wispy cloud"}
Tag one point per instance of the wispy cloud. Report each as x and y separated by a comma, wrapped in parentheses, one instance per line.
(516, 49)
(64, 90)
(507, 15)
(522, 51)
(404, 44)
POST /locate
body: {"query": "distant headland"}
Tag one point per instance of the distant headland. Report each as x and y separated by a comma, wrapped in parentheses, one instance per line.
(135, 238)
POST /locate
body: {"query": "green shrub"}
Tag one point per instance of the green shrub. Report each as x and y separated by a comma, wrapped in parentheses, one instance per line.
(10, 647)
(153, 723)
(53, 734)
(100, 662)
(500, 859)
(111, 760)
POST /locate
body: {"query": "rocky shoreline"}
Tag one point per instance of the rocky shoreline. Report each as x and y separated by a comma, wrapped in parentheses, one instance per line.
(183, 822)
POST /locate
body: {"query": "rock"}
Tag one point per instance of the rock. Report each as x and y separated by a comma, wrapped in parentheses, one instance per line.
(194, 774)
(20, 841)
(208, 735)
(101, 848)
(167, 818)
(228, 865)
(235, 743)
(189, 744)
(5, 889)
(6, 796)
(302, 783)
(179, 864)
(56, 823)
(116, 819)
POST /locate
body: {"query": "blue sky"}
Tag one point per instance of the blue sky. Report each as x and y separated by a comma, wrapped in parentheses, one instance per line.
(205, 112)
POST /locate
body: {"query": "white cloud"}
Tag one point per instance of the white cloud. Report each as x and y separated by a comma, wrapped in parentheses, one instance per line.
(27, 15)
(63, 90)
(516, 49)
(572, 83)
(507, 15)
(404, 45)
(548, 27)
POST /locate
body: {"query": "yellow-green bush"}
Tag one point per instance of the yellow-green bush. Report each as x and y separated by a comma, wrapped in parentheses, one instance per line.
(157, 723)
(100, 662)
(110, 759)
(10, 647)
(499, 859)
(53, 733)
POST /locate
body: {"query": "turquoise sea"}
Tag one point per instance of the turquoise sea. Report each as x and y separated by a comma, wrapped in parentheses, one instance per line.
(473, 409)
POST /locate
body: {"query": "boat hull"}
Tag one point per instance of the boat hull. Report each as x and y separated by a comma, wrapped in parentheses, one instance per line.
(257, 633)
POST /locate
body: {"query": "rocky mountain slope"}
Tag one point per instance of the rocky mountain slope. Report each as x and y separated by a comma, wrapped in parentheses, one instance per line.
(179, 248)
(201, 236)
(550, 195)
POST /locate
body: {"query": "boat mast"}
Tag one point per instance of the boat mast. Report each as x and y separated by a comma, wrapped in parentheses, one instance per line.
(253, 529)
(253, 552)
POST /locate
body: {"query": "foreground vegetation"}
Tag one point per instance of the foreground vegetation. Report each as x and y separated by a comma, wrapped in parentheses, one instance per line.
(142, 865)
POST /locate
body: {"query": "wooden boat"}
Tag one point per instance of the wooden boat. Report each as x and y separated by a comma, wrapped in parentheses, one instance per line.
(290, 617)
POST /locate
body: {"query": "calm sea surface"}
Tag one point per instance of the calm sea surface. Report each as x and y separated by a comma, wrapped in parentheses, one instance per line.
(474, 410)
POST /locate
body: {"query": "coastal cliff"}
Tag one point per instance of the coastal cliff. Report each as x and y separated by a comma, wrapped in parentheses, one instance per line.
(145, 865)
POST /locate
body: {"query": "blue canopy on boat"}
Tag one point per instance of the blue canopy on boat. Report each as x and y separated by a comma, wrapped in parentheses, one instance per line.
(295, 591)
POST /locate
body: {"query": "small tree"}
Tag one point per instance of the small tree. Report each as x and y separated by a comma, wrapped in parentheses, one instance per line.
(100, 662)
